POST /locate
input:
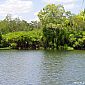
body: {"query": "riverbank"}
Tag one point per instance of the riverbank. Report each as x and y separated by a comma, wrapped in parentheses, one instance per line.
(9, 48)
(6, 48)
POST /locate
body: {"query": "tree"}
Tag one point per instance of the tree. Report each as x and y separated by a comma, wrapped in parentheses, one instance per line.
(53, 19)
(13, 25)
(35, 24)
(51, 14)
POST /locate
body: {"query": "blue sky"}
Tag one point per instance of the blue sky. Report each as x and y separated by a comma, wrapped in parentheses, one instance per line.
(28, 9)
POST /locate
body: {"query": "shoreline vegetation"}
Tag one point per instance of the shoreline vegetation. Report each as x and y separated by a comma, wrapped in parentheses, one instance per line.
(57, 29)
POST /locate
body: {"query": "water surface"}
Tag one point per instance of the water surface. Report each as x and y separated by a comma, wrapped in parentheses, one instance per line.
(42, 67)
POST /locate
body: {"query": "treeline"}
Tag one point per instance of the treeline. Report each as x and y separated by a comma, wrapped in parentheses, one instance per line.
(14, 25)
(57, 29)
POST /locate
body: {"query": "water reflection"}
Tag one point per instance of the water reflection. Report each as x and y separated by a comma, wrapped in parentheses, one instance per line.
(42, 67)
(63, 68)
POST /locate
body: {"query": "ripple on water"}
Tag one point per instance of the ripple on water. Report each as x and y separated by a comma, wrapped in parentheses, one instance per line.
(42, 67)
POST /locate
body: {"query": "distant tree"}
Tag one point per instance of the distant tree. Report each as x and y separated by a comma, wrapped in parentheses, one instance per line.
(35, 24)
(13, 25)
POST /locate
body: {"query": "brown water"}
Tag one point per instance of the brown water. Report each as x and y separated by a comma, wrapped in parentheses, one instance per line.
(42, 67)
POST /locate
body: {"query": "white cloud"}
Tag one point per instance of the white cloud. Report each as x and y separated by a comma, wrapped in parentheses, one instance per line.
(58, 1)
(15, 6)
(67, 1)
(50, 1)
(34, 19)
(68, 4)
(16, 16)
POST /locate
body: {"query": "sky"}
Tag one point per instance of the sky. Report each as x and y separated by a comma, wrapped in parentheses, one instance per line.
(28, 9)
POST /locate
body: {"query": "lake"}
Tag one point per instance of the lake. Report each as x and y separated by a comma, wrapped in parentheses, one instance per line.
(42, 67)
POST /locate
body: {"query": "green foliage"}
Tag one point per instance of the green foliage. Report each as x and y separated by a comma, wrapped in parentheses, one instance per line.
(57, 29)
(0, 39)
(55, 36)
(13, 45)
(14, 25)
(51, 14)
(24, 40)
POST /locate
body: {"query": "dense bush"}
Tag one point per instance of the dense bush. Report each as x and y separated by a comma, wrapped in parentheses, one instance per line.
(24, 40)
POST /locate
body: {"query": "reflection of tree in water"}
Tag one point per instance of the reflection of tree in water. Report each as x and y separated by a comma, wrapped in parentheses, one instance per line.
(52, 67)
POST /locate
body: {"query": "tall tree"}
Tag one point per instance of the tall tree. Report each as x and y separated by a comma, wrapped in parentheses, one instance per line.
(51, 14)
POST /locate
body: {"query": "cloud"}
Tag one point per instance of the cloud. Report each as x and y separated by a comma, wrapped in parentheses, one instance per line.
(16, 16)
(66, 1)
(15, 6)
(34, 19)
(49, 1)
(68, 4)
(58, 1)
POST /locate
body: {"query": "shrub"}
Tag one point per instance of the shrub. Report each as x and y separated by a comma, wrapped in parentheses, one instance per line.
(13, 45)
(24, 40)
